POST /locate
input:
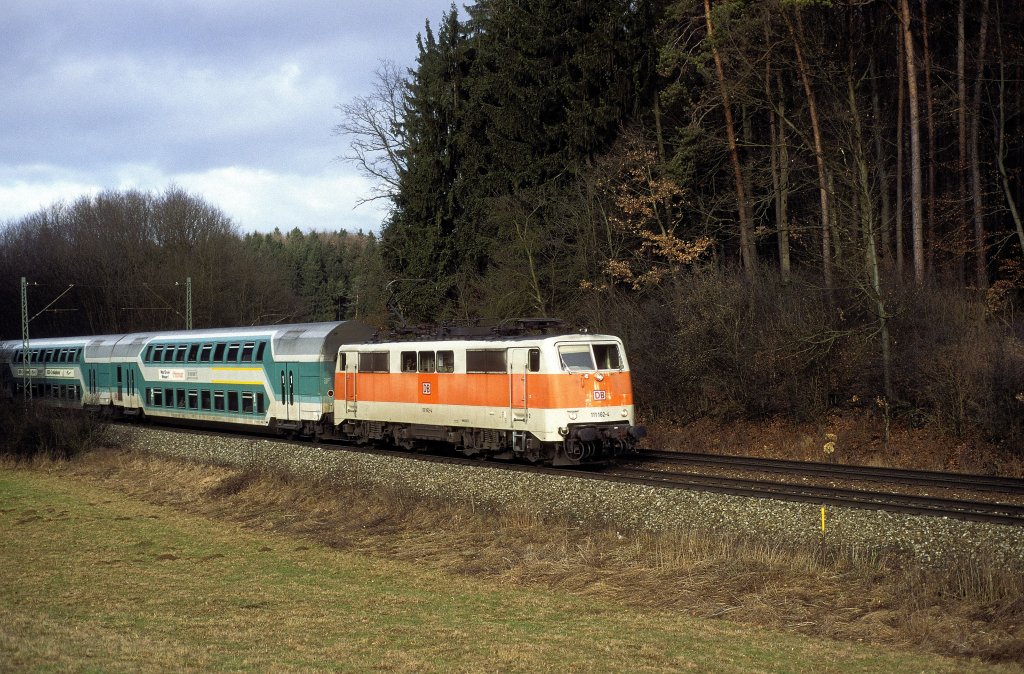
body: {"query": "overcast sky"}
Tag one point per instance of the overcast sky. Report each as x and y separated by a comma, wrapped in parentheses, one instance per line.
(233, 100)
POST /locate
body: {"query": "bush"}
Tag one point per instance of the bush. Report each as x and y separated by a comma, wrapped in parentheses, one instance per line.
(37, 430)
(715, 343)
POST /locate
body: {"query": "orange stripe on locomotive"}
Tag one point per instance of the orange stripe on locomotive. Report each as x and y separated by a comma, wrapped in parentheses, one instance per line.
(544, 391)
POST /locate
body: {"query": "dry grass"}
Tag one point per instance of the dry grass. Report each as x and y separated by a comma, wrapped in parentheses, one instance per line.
(98, 580)
(828, 593)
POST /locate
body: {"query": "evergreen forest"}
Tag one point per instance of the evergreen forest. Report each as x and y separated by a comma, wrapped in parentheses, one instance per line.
(787, 208)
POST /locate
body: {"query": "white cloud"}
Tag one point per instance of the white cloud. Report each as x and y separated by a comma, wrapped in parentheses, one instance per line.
(256, 200)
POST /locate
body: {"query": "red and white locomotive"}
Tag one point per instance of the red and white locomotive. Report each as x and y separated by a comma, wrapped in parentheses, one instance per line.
(563, 399)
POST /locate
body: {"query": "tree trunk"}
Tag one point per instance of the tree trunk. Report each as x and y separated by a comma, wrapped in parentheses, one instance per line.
(779, 156)
(1001, 151)
(819, 153)
(868, 226)
(746, 238)
(930, 124)
(881, 162)
(980, 262)
(900, 121)
(916, 216)
(962, 103)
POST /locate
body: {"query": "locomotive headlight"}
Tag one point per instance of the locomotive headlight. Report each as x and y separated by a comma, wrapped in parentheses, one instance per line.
(599, 376)
(572, 415)
(625, 413)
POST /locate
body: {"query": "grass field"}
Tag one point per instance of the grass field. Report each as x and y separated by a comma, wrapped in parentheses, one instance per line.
(98, 579)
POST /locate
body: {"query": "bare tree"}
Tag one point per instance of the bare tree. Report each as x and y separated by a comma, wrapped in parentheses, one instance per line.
(373, 125)
(916, 215)
(748, 251)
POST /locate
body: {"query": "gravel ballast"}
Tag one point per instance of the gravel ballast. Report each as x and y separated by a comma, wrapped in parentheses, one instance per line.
(928, 540)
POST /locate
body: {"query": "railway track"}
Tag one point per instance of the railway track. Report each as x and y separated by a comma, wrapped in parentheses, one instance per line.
(958, 508)
(917, 478)
(965, 506)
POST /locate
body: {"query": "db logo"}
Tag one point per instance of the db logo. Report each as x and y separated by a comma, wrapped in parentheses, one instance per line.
(600, 395)
(426, 388)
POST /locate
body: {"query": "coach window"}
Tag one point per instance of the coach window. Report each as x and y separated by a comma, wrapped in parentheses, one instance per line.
(485, 360)
(260, 409)
(204, 400)
(576, 357)
(426, 361)
(259, 351)
(149, 354)
(169, 353)
(205, 352)
(408, 361)
(607, 356)
(158, 354)
(247, 350)
(534, 364)
(232, 401)
(169, 397)
(193, 399)
(446, 361)
(232, 353)
(158, 397)
(179, 397)
(247, 402)
(179, 357)
(218, 401)
(218, 353)
(193, 353)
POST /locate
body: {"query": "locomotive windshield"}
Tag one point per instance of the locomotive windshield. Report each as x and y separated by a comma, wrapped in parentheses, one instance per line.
(581, 358)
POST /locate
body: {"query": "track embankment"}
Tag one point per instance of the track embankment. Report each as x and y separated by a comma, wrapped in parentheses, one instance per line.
(629, 507)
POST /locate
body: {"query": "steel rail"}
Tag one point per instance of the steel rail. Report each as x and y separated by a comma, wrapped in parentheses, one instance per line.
(844, 471)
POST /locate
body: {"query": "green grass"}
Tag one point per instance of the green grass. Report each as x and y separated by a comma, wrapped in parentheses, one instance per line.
(93, 580)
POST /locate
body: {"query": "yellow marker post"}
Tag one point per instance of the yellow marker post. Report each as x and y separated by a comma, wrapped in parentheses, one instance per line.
(822, 519)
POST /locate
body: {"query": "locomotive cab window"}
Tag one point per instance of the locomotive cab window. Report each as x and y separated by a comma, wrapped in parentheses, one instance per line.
(446, 361)
(576, 357)
(342, 362)
(426, 361)
(534, 360)
(607, 356)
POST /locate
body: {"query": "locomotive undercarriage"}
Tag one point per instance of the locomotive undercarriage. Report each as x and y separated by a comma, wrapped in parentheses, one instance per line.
(593, 444)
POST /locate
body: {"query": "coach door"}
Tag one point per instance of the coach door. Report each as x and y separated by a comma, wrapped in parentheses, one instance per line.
(347, 361)
(288, 380)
